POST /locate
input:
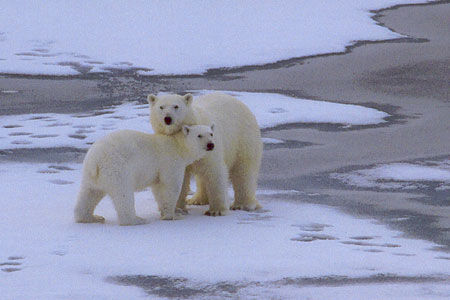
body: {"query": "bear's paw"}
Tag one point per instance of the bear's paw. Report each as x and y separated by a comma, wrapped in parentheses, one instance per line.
(216, 212)
(246, 207)
(91, 219)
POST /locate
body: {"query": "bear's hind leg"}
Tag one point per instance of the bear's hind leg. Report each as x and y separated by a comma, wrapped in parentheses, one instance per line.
(167, 193)
(88, 199)
(123, 200)
(244, 180)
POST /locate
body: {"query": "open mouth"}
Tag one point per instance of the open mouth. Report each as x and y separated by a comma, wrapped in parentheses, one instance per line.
(168, 120)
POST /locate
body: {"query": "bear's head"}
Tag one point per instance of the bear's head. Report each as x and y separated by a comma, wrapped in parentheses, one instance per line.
(199, 139)
(168, 112)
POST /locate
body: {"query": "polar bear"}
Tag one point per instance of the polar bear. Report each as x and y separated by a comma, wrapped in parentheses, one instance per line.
(237, 155)
(127, 161)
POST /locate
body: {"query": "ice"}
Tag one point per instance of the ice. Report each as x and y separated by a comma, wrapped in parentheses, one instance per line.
(259, 250)
(81, 130)
(65, 130)
(410, 172)
(399, 175)
(177, 37)
(273, 109)
(272, 141)
(253, 252)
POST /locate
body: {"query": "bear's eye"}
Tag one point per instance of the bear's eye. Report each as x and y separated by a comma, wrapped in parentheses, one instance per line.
(211, 134)
(200, 136)
(176, 107)
(161, 107)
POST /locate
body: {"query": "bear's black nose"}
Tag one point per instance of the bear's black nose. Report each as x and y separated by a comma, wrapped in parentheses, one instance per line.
(168, 120)
(209, 146)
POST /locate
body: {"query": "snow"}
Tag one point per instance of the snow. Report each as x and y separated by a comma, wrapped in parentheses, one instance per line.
(45, 255)
(59, 258)
(176, 37)
(272, 141)
(81, 130)
(9, 92)
(273, 109)
(399, 175)
(410, 172)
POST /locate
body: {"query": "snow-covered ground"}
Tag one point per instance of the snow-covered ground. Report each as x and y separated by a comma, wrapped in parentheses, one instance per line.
(81, 130)
(407, 176)
(45, 255)
(288, 250)
(167, 37)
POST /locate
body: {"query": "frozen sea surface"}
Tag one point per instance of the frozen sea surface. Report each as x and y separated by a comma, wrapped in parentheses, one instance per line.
(406, 176)
(81, 130)
(177, 37)
(288, 250)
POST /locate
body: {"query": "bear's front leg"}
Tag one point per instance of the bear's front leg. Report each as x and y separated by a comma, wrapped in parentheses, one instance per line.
(168, 192)
(213, 178)
(181, 203)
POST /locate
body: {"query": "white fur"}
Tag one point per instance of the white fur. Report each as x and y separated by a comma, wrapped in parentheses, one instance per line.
(238, 151)
(127, 161)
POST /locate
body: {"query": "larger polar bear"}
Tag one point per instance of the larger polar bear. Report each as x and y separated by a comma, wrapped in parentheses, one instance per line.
(237, 154)
(127, 161)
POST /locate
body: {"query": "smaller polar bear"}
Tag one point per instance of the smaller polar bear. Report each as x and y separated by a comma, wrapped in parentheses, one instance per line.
(127, 161)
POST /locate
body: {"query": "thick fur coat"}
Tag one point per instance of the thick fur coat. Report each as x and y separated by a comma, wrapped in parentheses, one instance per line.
(238, 151)
(127, 161)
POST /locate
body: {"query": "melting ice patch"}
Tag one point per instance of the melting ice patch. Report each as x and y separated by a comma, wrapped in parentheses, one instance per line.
(273, 109)
(272, 141)
(64, 130)
(399, 175)
(287, 240)
(81, 130)
(177, 37)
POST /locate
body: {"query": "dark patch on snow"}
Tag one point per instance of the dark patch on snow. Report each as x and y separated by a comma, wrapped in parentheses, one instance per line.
(183, 288)
(362, 238)
(287, 144)
(12, 261)
(19, 133)
(10, 270)
(60, 168)
(57, 124)
(359, 243)
(313, 237)
(48, 171)
(46, 155)
(315, 227)
(21, 142)
(12, 126)
(176, 287)
(43, 136)
(60, 182)
(77, 136)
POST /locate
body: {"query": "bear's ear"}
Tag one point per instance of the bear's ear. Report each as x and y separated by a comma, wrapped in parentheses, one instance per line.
(188, 98)
(186, 129)
(151, 99)
(212, 127)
